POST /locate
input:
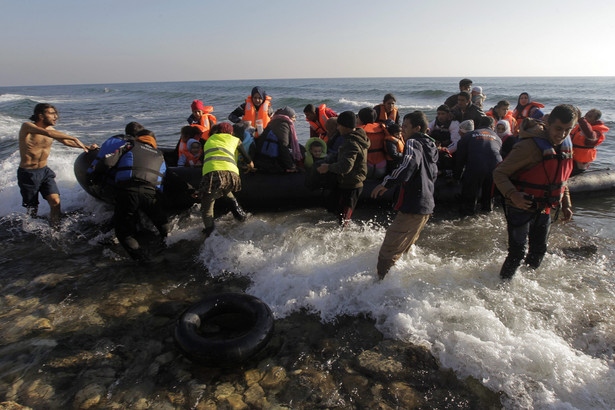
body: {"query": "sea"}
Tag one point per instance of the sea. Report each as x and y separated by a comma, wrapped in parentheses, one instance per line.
(546, 339)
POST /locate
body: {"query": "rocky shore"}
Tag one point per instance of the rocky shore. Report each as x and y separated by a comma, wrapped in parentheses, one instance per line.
(69, 339)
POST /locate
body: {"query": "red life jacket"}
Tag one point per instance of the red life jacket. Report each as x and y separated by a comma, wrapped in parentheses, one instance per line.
(585, 153)
(319, 126)
(260, 118)
(383, 116)
(547, 180)
(376, 133)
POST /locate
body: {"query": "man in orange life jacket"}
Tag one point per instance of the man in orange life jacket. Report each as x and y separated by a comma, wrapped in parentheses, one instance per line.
(533, 178)
(317, 118)
(586, 136)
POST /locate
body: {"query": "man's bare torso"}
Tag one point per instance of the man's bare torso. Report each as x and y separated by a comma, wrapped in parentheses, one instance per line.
(34, 149)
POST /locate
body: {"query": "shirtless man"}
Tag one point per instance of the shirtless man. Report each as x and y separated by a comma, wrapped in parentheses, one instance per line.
(33, 175)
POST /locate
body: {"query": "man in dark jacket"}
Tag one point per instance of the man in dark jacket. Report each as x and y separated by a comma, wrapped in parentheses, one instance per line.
(478, 153)
(466, 110)
(417, 174)
(140, 168)
(350, 167)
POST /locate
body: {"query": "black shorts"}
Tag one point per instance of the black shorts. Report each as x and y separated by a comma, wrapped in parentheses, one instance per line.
(33, 181)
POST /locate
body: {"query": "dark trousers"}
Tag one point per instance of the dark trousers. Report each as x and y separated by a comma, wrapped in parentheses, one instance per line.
(523, 225)
(129, 201)
(342, 203)
(477, 186)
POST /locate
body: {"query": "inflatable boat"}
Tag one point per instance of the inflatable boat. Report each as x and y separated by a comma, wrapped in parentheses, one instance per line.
(273, 192)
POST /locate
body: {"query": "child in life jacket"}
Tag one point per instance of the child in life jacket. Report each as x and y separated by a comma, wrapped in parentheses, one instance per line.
(393, 146)
(316, 152)
(191, 158)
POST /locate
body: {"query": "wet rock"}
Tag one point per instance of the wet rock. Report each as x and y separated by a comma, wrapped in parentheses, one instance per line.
(274, 378)
(89, 396)
(11, 393)
(223, 391)
(236, 402)
(207, 405)
(177, 399)
(356, 386)
(165, 358)
(196, 392)
(375, 362)
(255, 396)
(11, 405)
(111, 310)
(405, 396)
(50, 280)
(252, 376)
(38, 394)
(43, 324)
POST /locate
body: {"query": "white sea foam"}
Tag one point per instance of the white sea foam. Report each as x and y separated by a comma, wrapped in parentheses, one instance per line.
(530, 339)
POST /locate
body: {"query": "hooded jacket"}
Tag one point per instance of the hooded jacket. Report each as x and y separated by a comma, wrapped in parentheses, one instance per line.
(351, 164)
(417, 174)
(525, 155)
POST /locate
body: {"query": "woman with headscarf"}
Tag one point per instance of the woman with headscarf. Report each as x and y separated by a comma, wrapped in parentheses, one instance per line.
(502, 128)
(278, 149)
(256, 111)
(525, 108)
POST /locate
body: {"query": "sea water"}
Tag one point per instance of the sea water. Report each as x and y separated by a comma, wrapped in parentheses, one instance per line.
(546, 339)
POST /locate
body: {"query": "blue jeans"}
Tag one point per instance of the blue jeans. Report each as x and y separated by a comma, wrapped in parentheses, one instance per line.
(523, 225)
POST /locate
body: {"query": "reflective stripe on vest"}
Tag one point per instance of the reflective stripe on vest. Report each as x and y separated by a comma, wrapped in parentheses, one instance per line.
(220, 153)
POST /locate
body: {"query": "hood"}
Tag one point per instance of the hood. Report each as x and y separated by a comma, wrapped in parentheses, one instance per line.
(531, 128)
(317, 141)
(359, 136)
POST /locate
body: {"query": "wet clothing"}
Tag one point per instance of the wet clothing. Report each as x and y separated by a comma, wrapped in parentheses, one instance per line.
(221, 176)
(527, 158)
(351, 164)
(478, 153)
(111, 145)
(351, 170)
(33, 181)
(140, 169)
(417, 174)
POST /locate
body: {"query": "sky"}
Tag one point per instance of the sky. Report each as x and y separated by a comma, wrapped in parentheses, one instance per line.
(121, 41)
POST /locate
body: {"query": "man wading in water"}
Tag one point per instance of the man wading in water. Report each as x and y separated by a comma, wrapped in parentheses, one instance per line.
(33, 175)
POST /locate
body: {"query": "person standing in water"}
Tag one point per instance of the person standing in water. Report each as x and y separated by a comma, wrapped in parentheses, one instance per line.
(533, 178)
(417, 174)
(33, 174)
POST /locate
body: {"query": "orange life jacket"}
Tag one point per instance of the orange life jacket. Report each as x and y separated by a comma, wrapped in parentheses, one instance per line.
(182, 149)
(376, 133)
(526, 110)
(383, 116)
(585, 153)
(205, 123)
(508, 117)
(257, 119)
(319, 126)
(398, 141)
(546, 181)
(193, 160)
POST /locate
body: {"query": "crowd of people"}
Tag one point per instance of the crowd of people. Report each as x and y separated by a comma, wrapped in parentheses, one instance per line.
(524, 154)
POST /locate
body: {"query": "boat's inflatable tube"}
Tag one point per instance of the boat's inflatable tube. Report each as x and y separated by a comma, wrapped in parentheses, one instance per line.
(247, 327)
(273, 192)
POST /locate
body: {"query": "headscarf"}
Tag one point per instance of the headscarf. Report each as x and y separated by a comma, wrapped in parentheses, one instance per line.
(259, 90)
(286, 114)
(520, 107)
(507, 130)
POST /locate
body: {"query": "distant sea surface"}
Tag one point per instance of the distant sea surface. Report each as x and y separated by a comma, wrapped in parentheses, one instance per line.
(547, 339)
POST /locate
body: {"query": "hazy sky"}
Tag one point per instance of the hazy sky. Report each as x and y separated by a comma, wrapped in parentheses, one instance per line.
(109, 41)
